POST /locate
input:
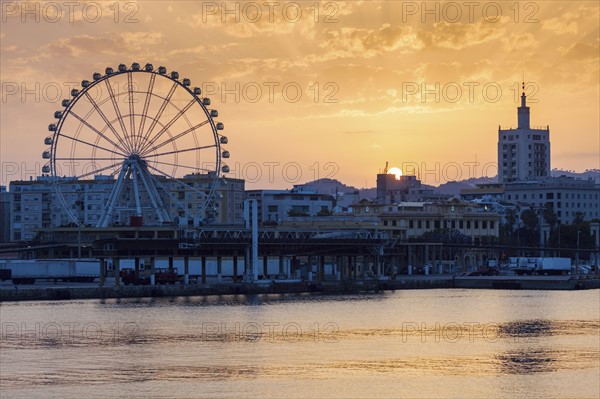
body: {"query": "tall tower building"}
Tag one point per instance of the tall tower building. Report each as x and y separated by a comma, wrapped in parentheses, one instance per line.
(524, 152)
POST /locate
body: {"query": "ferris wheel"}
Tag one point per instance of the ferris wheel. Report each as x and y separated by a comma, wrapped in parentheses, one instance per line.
(135, 142)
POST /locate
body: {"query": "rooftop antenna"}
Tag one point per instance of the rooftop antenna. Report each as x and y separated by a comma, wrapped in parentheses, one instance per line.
(386, 168)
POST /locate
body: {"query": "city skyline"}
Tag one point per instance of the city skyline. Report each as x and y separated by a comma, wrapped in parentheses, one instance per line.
(378, 84)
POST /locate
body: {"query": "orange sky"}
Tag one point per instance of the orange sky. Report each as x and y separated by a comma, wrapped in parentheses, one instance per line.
(359, 66)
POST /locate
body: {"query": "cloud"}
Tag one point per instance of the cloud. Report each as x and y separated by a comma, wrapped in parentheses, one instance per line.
(79, 45)
(367, 43)
(461, 35)
(564, 25)
(252, 19)
(520, 41)
(583, 51)
(139, 39)
(9, 48)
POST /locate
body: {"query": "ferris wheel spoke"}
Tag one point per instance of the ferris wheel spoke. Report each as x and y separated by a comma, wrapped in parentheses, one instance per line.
(92, 145)
(178, 180)
(155, 120)
(146, 105)
(131, 110)
(181, 166)
(172, 196)
(98, 170)
(105, 119)
(169, 124)
(192, 188)
(186, 150)
(98, 132)
(113, 99)
(156, 147)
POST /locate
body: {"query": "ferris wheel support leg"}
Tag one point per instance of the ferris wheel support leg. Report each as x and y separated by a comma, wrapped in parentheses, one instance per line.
(136, 191)
(157, 203)
(180, 204)
(112, 199)
(251, 222)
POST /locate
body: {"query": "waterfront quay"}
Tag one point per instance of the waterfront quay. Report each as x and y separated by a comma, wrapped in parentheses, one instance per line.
(239, 261)
(76, 291)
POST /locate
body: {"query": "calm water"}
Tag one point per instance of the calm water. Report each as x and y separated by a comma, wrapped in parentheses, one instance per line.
(423, 343)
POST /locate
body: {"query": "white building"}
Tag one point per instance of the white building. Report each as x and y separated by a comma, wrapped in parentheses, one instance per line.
(275, 206)
(35, 205)
(413, 219)
(524, 152)
(4, 215)
(567, 196)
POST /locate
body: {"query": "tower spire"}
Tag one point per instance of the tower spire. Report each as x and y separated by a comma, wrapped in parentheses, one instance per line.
(523, 110)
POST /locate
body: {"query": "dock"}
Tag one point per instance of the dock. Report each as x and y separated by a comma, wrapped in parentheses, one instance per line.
(79, 292)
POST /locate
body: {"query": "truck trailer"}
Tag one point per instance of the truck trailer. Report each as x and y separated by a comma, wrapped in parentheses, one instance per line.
(73, 270)
(523, 266)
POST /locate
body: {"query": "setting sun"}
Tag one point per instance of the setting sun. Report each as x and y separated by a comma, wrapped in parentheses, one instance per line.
(395, 171)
